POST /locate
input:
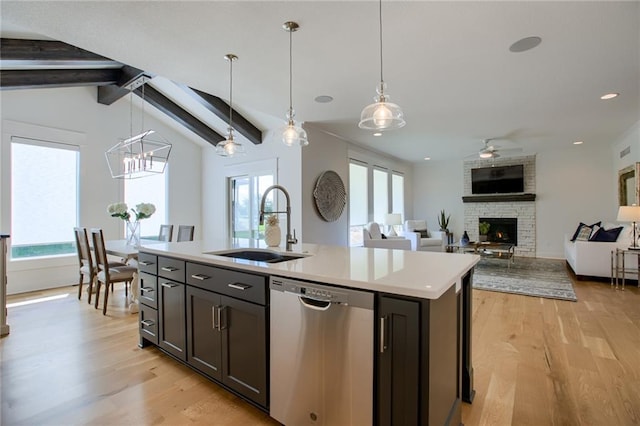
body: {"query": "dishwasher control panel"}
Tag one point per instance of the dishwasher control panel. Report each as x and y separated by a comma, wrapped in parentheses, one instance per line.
(311, 291)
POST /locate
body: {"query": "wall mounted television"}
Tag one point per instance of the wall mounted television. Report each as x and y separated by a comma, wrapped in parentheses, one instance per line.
(497, 180)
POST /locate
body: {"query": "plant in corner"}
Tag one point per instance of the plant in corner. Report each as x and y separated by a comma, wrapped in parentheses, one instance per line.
(443, 221)
(483, 228)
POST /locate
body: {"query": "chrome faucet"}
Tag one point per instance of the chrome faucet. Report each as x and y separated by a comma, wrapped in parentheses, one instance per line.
(290, 239)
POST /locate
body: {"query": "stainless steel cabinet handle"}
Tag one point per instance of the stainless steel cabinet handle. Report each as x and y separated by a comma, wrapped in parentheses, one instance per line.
(214, 324)
(145, 289)
(239, 286)
(383, 346)
(169, 269)
(222, 316)
(200, 277)
(145, 263)
(169, 285)
(219, 317)
(147, 323)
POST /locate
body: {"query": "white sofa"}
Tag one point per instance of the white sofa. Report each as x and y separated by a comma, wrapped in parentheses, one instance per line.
(593, 258)
(372, 237)
(434, 241)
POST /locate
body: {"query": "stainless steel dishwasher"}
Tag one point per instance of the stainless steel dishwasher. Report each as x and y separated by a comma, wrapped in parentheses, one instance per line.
(321, 354)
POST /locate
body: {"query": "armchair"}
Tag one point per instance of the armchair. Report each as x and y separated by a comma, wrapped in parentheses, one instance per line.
(423, 239)
(372, 237)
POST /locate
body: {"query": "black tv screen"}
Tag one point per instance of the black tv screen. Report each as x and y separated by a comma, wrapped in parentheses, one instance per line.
(497, 180)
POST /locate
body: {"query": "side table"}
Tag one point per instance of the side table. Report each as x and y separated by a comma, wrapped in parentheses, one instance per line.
(618, 267)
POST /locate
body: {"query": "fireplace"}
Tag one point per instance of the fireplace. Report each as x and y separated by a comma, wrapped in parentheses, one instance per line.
(502, 230)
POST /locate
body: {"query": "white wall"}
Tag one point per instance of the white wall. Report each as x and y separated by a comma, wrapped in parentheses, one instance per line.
(573, 184)
(77, 111)
(326, 152)
(215, 170)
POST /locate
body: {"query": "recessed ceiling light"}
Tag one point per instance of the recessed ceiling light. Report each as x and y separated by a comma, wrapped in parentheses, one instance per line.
(609, 96)
(525, 44)
(323, 99)
(578, 142)
(377, 134)
(427, 158)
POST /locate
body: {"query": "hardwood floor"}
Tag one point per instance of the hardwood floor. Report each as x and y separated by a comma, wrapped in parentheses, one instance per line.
(537, 362)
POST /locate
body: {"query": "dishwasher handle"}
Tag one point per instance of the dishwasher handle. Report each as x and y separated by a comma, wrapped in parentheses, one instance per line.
(316, 305)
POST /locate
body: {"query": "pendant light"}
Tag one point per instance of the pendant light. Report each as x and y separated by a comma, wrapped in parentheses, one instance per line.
(292, 134)
(381, 115)
(229, 147)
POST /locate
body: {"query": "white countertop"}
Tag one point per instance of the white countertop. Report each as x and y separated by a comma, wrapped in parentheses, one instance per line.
(419, 274)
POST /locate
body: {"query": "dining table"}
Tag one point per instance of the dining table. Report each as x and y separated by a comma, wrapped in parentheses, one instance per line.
(129, 254)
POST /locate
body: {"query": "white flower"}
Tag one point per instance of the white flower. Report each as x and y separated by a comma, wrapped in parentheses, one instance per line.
(144, 210)
(119, 210)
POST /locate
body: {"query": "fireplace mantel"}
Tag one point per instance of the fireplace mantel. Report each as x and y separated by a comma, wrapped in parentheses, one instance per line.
(497, 198)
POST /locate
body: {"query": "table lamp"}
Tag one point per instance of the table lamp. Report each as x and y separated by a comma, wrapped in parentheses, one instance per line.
(630, 214)
(391, 220)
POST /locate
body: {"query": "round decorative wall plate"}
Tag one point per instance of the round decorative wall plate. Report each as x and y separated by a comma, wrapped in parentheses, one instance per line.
(330, 196)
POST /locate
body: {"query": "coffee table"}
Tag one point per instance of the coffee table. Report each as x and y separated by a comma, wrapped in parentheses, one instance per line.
(486, 249)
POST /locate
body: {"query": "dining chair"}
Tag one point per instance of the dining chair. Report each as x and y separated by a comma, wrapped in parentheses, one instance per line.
(166, 231)
(185, 233)
(87, 267)
(108, 274)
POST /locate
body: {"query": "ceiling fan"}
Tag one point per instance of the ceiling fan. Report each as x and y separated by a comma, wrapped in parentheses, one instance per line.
(492, 151)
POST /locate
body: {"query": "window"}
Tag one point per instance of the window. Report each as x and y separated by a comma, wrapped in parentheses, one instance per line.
(358, 202)
(44, 198)
(149, 189)
(246, 194)
(374, 191)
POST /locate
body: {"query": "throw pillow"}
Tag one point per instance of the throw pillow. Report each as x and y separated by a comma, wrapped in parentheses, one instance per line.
(607, 235)
(423, 233)
(575, 234)
(584, 233)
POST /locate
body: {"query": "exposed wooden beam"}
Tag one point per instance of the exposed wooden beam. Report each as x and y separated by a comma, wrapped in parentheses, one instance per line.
(34, 79)
(174, 111)
(221, 109)
(109, 94)
(17, 52)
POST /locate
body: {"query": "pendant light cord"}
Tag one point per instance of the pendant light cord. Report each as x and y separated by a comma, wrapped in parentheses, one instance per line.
(142, 119)
(291, 74)
(130, 113)
(380, 10)
(230, 93)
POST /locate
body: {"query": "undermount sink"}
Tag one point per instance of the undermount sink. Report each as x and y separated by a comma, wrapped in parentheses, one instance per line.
(266, 256)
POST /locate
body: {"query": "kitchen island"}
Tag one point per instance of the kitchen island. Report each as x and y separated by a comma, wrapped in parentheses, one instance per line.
(214, 313)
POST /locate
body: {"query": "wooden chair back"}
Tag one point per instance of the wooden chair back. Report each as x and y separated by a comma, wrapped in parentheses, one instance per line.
(102, 263)
(185, 233)
(166, 232)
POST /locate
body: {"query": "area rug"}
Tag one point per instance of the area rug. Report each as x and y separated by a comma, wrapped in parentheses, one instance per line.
(528, 276)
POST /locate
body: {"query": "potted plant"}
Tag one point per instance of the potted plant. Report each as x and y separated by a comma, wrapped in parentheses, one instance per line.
(483, 228)
(443, 221)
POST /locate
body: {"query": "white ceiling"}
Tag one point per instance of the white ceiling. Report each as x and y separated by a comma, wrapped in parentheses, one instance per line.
(447, 64)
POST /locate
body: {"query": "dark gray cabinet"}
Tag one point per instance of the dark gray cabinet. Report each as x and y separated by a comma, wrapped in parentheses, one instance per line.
(226, 340)
(172, 334)
(418, 345)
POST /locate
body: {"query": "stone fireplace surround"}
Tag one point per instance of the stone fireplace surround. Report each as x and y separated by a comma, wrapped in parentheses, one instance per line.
(524, 211)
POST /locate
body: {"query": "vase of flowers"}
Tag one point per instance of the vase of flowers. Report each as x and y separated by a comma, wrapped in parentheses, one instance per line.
(142, 211)
(272, 231)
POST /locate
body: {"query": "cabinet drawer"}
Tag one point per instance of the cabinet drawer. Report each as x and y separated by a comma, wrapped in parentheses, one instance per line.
(148, 324)
(148, 263)
(241, 285)
(148, 290)
(171, 268)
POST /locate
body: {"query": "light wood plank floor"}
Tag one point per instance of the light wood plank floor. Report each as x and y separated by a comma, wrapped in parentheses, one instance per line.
(537, 362)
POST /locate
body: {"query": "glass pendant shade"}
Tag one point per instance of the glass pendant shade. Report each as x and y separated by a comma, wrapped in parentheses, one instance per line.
(381, 115)
(229, 147)
(293, 135)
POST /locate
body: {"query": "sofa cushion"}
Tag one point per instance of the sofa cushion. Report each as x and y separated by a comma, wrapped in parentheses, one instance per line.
(423, 233)
(606, 235)
(582, 225)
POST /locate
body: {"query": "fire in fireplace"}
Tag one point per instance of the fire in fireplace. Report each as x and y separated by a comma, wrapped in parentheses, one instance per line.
(501, 230)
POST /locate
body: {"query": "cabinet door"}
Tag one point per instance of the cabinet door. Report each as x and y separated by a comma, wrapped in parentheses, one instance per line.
(398, 361)
(244, 354)
(203, 337)
(172, 318)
